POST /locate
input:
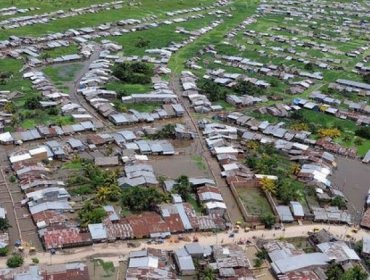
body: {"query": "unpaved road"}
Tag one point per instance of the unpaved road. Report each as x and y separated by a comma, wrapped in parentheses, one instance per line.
(233, 210)
(119, 250)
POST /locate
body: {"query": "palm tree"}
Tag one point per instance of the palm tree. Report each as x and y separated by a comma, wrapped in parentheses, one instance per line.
(182, 187)
(295, 168)
(103, 194)
(208, 273)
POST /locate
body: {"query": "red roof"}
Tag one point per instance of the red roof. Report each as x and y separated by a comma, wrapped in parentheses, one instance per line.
(146, 223)
(208, 189)
(174, 223)
(63, 272)
(49, 217)
(65, 237)
(365, 222)
(300, 275)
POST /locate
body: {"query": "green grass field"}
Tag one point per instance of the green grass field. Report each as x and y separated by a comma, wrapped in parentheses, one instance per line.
(57, 52)
(254, 201)
(63, 72)
(148, 7)
(129, 88)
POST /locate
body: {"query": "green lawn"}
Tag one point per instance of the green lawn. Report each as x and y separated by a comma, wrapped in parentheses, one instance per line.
(46, 119)
(199, 162)
(57, 52)
(63, 72)
(143, 107)
(241, 10)
(158, 37)
(129, 88)
(16, 82)
(226, 106)
(254, 200)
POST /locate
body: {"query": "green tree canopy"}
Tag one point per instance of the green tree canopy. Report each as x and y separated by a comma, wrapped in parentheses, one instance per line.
(268, 220)
(4, 224)
(91, 214)
(182, 187)
(15, 261)
(133, 72)
(141, 198)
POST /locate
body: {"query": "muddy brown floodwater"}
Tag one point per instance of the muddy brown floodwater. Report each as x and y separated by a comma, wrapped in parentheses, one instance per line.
(189, 161)
(352, 177)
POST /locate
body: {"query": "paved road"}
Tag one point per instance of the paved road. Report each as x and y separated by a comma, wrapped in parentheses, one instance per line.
(119, 250)
(233, 210)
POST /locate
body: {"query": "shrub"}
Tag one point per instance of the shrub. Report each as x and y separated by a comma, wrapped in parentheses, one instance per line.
(363, 132)
(329, 132)
(134, 73)
(4, 251)
(268, 220)
(15, 261)
(12, 179)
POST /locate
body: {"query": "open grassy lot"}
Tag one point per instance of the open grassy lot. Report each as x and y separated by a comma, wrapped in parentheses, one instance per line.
(143, 107)
(16, 82)
(158, 37)
(241, 10)
(254, 201)
(57, 52)
(62, 73)
(129, 88)
(323, 120)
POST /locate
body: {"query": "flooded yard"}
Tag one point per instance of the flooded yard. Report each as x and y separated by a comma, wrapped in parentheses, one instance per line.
(175, 166)
(189, 161)
(352, 177)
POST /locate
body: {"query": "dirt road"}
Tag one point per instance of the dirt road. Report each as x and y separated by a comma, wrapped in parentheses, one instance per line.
(233, 210)
(120, 250)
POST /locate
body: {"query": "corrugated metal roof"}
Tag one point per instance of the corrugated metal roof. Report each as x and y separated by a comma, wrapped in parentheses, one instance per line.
(98, 231)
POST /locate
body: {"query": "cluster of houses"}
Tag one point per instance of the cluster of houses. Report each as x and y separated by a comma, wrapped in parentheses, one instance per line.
(315, 165)
(199, 102)
(15, 46)
(359, 88)
(175, 217)
(45, 18)
(42, 132)
(314, 11)
(288, 49)
(9, 11)
(283, 73)
(72, 271)
(290, 262)
(161, 56)
(6, 117)
(228, 262)
(230, 79)
(51, 210)
(91, 87)
(283, 110)
(51, 97)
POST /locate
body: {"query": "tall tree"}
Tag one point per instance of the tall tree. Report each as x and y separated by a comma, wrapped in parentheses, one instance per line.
(182, 187)
(4, 224)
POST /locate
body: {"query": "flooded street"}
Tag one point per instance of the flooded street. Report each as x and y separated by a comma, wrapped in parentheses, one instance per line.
(352, 177)
(188, 162)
